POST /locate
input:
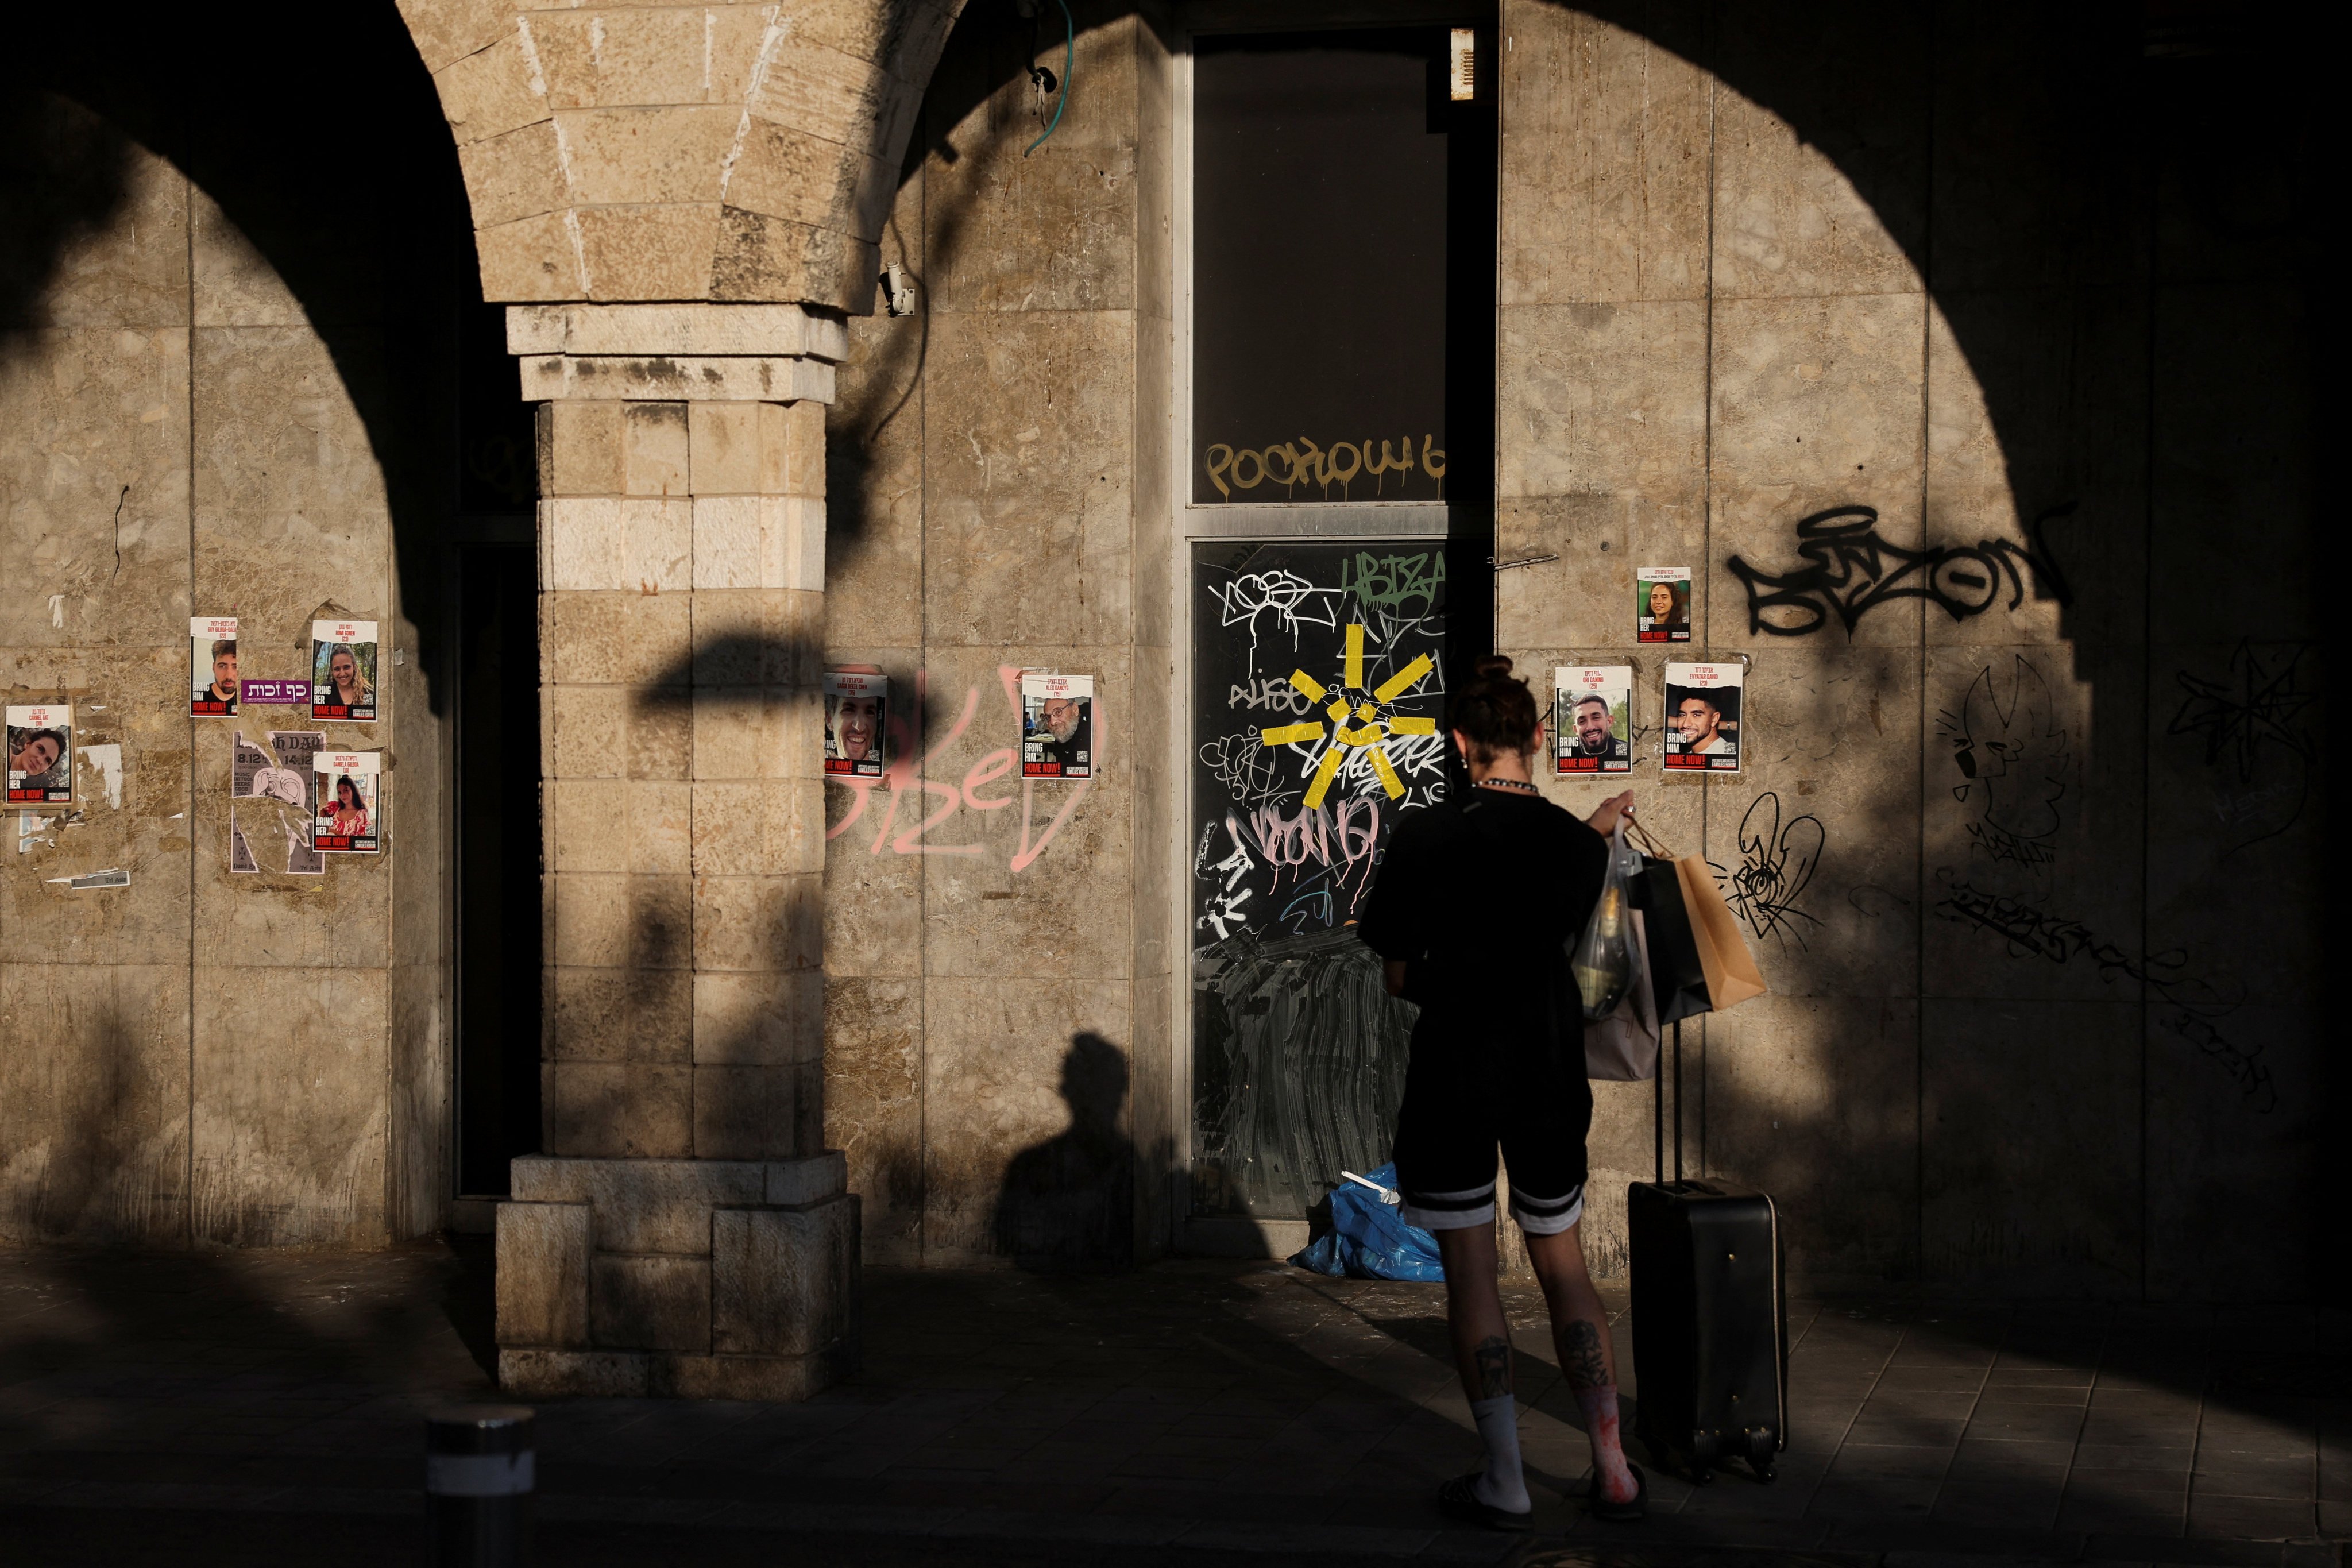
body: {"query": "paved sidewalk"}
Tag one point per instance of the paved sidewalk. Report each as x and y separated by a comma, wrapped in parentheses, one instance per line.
(228, 1406)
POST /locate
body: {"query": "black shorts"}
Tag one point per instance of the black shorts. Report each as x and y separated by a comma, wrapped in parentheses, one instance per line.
(1459, 1105)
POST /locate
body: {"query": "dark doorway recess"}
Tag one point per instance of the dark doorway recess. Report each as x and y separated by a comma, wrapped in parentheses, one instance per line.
(497, 863)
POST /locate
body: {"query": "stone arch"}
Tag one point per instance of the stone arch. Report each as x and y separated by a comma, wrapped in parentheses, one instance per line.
(720, 152)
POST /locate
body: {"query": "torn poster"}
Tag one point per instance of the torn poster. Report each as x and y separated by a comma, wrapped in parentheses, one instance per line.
(104, 762)
(350, 814)
(112, 877)
(856, 709)
(40, 754)
(272, 797)
(1703, 703)
(1057, 726)
(1662, 603)
(1592, 718)
(342, 669)
(212, 667)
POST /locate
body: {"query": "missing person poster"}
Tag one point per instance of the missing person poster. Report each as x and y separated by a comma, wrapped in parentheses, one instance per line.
(856, 711)
(1592, 718)
(212, 667)
(1662, 603)
(350, 814)
(40, 754)
(1057, 726)
(344, 670)
(1703, 703)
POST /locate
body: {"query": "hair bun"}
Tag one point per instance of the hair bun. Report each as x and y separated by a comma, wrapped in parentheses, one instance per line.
(1494, 666)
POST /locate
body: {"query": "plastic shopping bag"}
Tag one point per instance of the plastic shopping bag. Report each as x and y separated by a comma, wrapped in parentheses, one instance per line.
(1602, 958)
(1369, 1240)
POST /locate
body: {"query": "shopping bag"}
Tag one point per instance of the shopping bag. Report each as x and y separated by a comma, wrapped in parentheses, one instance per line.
(1368, 1238)
(1624, 1046)
(1732, 976)
(1677, 977)
(1601, 958)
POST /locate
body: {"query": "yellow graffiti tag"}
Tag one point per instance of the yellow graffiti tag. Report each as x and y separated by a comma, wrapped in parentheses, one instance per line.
(1366, 736)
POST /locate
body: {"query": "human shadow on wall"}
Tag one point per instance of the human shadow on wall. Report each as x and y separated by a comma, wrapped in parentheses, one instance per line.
(1069, 1202)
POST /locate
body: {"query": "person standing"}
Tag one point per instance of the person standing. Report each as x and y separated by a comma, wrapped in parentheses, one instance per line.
(1471, 911)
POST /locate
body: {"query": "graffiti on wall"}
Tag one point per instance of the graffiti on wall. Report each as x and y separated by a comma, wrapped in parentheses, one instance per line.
(2252, 711)
(1777, 863)
(2014, 764)
(1849, 569)
(2192, 1004)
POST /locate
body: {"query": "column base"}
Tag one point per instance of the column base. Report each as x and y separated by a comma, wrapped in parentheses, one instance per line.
(678, 1279)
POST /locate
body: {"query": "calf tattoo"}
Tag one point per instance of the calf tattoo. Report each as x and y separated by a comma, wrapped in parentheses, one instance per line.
(1494, 1358)
(1587, 1366)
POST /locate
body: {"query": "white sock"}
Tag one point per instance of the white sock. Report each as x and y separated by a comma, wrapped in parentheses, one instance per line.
(1499, 1425)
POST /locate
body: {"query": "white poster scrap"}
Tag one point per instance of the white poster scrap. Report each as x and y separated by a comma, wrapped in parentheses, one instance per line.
(350, 811)
(1592, 720)
(1702, 717)
(1057, 726)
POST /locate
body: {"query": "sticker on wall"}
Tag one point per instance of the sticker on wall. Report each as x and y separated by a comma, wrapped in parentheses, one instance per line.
(212, 667)
(349, 812)
(41, 754)
(1592, 720)
(342, 670)
(857, 715)
(1703, 703)
(1662, 603)
(1057, 726)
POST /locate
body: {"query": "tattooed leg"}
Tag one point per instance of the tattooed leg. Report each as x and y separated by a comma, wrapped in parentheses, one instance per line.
(1580, 1331)
(1481, 1354)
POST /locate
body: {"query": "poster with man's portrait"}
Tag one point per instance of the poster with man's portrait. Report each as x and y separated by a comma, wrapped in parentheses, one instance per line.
(1057, 726)
(1703, 702)
(1592, 720)
(344, 670)
(212, 667)
(1662, 604)
(41, 754)
(857, 714)
(350, 819)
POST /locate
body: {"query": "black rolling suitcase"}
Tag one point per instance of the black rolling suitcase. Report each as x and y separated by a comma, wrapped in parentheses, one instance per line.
(1710, 1323)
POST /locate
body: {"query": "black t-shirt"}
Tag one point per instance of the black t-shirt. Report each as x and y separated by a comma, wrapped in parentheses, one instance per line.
(1479, 896)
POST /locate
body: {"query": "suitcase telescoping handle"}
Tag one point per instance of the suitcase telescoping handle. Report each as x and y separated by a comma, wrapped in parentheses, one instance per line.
(1658, 1115)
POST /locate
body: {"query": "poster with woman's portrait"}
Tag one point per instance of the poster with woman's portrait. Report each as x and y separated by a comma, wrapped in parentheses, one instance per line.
(1662, 603)
(350, 808)
(344, 670)
(1703, 703)
(1592, 720)
(1057, 726)
(41, 754)
(212, 667)
(857, 714)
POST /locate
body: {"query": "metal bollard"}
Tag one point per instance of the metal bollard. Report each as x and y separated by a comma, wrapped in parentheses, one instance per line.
(478, 1465)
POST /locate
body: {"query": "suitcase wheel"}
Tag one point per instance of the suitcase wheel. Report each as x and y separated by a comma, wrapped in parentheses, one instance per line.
(1761, 1449)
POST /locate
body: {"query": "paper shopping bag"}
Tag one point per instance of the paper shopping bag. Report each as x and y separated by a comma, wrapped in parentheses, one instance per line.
(1732, 976)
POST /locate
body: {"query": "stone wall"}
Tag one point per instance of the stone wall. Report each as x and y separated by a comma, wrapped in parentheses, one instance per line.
(204, 414)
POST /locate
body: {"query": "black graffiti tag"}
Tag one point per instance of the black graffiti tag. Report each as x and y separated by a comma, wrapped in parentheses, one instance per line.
(1775, 865)
(1850, 571)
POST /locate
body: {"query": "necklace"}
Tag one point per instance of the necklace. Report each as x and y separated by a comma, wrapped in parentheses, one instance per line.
(1508, 784)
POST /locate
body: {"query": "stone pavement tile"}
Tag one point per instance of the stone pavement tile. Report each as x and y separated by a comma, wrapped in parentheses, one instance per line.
(2336, 1519)
(2016, 1504)
(2009, 1390)
(1301, 1539)
(1931, 1378)
(1979, 1457)
(1936, 1432)
(1858, 1459)
(1734, 1496)
(2025, 1423)
(2225, 1474)
(2261, 1518)
(1860, 1497)
(2092, 1477)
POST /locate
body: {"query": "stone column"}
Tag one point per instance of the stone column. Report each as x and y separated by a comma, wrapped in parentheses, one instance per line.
(685, 1233)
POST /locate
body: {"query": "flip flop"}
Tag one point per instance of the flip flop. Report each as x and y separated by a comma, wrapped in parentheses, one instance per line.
(1456, 1499)
(1632, 1509)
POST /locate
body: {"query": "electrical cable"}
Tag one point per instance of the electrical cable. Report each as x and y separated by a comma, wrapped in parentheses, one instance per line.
(1069, 59)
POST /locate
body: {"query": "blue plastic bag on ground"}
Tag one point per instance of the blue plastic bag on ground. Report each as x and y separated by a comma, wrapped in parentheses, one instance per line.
(1369, 1240)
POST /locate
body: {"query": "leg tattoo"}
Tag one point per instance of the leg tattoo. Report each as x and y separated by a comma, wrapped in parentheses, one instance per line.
(1494, 1358)
(1586, 1366)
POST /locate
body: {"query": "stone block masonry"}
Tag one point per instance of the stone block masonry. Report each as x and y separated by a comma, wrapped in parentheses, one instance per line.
(687, 1233)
